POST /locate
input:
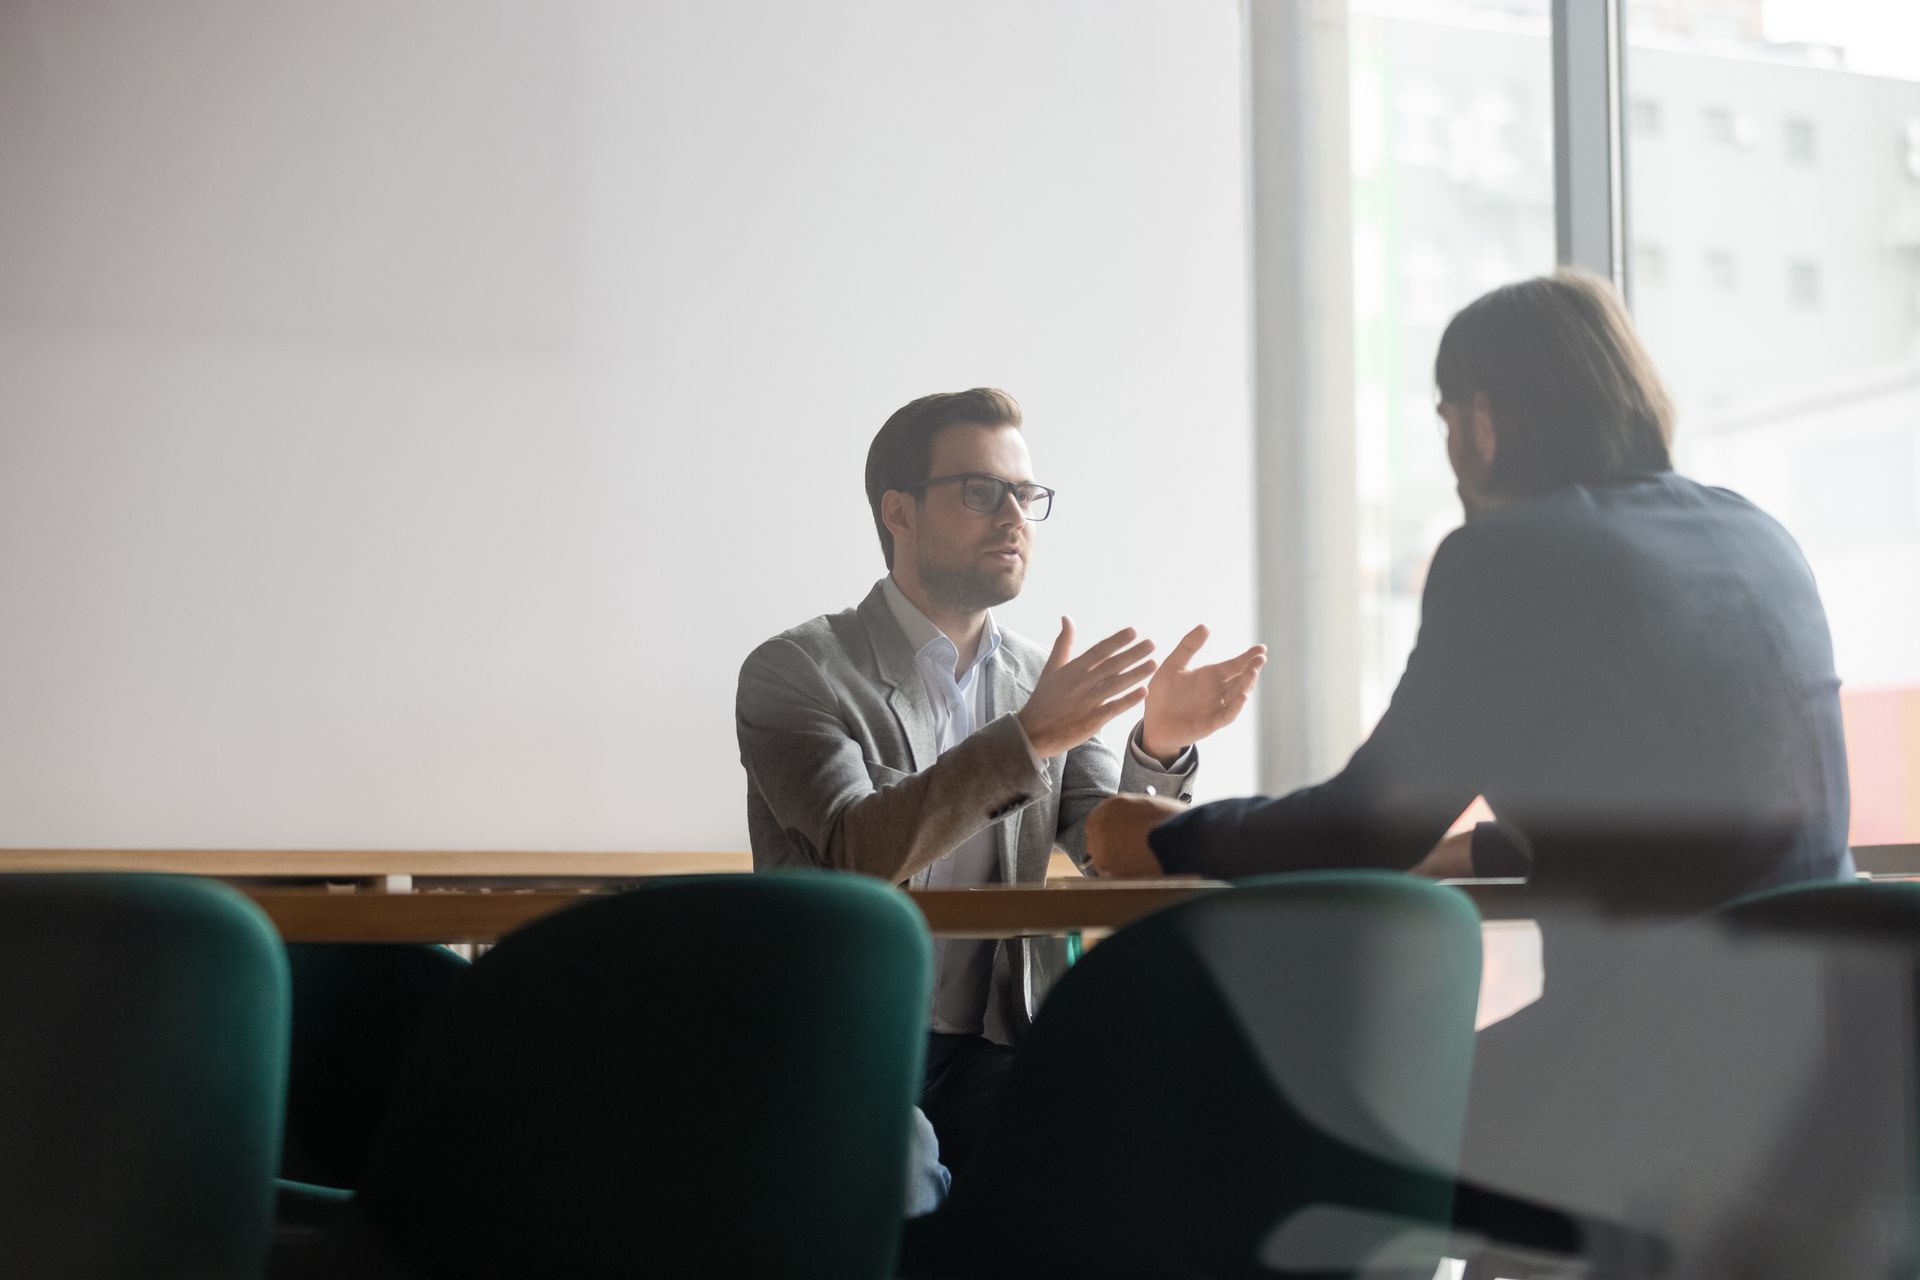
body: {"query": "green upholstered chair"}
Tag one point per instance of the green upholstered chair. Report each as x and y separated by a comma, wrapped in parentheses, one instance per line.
(357, 1009)
(709, 1076)
(1738, 1088)
(1845, 910)
(1852, 1171)
(1266, 1080)
(142, 1076)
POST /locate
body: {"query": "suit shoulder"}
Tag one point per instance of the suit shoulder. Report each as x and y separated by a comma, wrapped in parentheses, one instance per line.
(1553, 525)
(1728, 501)
(828, 637)
(1756, 525)
(1480, 574)
(1477, 543)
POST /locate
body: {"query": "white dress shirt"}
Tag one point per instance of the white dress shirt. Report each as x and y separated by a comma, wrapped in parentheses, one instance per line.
(963, 967)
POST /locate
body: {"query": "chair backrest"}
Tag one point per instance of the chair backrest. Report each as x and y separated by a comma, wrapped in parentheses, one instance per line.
(1846, 910)
(1848, 1168)
(708, 1076)
(357, 1009)
(142, 1076)
(1267, 1079)
(1738, 1086)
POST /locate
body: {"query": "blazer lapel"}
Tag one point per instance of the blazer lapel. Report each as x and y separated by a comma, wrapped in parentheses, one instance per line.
(1006, 690)
(907, 698)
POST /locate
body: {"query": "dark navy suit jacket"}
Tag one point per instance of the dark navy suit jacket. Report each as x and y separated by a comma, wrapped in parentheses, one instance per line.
(1638, 677)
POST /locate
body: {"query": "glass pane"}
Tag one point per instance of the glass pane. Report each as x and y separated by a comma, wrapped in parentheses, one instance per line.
(1453, 195)
(1774, 185)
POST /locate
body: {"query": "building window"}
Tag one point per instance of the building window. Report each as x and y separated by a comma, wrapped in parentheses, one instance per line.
(1649, 118)
(1722, 272)
(1803, 283)
(1726, 127)
(1649, 265)
(1802, 143)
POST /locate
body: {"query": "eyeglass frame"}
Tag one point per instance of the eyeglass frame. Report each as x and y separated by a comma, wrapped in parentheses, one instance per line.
(1006, 487)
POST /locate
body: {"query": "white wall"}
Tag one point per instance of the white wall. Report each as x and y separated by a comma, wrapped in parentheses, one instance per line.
(411, 413)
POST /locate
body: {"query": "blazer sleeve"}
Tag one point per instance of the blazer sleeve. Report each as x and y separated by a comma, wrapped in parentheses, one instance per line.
(1425, 761)
(856, 815)
(1092, 773)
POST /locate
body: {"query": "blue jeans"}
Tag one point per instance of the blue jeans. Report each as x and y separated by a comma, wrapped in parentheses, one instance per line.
(965, 1074)
(927, 1179)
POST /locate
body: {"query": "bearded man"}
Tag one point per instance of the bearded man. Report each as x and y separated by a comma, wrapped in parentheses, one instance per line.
(913, 739)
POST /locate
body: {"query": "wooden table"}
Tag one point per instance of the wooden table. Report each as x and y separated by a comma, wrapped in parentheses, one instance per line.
(481, 895)
(369, 865)
(998, 911)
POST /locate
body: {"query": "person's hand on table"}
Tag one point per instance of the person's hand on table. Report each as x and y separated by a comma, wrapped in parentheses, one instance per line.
(1185, 704)
(1117, 834)
(1451, 859)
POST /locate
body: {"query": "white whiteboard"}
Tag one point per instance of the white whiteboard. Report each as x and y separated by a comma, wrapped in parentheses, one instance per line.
(413, 413)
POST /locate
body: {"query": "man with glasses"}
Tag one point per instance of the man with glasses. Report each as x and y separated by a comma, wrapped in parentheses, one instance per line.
(912, 739)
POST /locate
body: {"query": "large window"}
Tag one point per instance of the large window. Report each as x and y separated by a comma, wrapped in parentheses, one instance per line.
(1784, 203)
(1453, 194)
(1771, 169)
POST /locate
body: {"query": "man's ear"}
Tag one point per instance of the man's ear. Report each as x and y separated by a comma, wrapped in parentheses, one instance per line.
(897, 513)
(1485, 442)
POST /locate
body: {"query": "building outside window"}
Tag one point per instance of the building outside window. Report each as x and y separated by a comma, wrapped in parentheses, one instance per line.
(1650, 266)
(1722, 272)
(1803, 283)
(1801, 142)
(1452, 162)
(1803, 391)
(1781, 312)
(1647, 118)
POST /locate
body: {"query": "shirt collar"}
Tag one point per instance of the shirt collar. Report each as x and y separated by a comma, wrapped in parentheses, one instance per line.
(926, 637)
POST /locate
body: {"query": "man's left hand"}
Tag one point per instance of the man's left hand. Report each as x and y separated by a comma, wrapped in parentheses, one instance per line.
(1117, 834)
(1185, 704)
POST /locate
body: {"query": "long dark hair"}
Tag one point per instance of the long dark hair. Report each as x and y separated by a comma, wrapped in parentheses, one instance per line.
(1573, 395)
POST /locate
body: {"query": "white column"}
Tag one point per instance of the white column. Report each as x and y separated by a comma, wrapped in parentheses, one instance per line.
(1304, 457)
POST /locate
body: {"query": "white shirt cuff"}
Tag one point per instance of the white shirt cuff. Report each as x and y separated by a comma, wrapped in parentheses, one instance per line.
(1039, 765)
(1182, 763)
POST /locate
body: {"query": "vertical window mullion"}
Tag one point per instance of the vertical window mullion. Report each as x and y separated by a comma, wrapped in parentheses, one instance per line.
(1589, 141)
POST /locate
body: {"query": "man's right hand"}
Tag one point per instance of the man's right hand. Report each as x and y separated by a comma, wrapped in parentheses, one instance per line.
(1076, 697)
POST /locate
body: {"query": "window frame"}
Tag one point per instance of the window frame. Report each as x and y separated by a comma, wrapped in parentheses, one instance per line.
(1295, 93)
(1590, 138)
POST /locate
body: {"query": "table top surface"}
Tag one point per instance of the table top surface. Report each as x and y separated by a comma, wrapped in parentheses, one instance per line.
(1879, 860)
(993, 911)
(481, 895)
(358, 864)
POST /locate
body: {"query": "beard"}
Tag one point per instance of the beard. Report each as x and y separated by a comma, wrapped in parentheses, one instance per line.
(968, 587)
(1478, 505)
(1476, 499)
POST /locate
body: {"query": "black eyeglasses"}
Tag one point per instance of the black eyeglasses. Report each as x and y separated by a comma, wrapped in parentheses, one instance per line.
(985, 493)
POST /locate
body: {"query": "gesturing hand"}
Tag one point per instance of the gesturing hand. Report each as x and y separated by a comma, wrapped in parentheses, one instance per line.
(1075, 697)
(1186, 704)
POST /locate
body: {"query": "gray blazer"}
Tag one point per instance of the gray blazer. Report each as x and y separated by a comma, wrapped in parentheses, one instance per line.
(837, 737)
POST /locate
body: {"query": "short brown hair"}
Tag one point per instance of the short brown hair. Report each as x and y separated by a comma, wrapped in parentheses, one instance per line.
(1574, 396)
(902, 453)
